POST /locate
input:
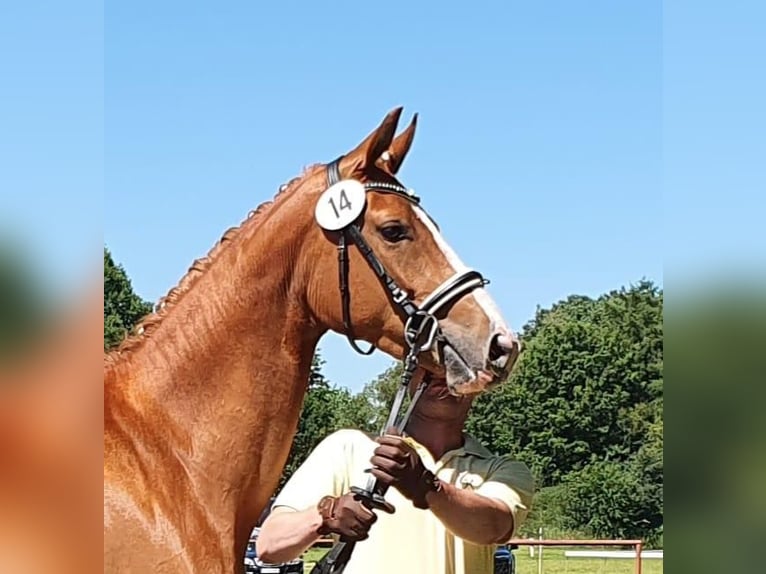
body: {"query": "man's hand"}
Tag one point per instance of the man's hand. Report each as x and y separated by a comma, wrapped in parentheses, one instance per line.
(346, 516)
(396, 463)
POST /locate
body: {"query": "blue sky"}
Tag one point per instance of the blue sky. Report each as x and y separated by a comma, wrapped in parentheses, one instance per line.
(549, 132)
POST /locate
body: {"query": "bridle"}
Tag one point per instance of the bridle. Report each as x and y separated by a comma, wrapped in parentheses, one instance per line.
(421, 327)
(421, 331)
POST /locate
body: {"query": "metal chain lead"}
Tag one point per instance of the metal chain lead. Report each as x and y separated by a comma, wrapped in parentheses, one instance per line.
(373, 496)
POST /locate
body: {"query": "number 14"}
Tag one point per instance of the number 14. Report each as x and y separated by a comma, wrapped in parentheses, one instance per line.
(343, 203)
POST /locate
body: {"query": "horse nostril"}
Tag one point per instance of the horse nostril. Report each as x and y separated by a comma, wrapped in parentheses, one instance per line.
(502, 346)
(496, 351)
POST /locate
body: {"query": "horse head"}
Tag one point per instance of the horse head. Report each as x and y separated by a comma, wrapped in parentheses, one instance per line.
(395, 252)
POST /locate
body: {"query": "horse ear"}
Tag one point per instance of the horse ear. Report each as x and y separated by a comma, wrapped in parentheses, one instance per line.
(367, 152)
(391, 159)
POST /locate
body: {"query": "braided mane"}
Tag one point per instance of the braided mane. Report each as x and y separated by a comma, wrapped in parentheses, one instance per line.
(149, 323)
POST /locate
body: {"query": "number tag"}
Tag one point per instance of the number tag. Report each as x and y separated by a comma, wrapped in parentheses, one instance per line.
(340, 205)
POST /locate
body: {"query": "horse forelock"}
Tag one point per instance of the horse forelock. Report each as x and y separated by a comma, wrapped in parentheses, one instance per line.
(149, 323)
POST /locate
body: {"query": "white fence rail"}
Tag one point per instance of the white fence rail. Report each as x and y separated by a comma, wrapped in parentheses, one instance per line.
(656, 554)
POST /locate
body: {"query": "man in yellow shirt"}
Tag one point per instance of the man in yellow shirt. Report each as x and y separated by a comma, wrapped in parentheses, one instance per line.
(455, 501)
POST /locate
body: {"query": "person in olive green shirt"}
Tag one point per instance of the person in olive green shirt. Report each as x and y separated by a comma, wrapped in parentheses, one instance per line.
(454, 500)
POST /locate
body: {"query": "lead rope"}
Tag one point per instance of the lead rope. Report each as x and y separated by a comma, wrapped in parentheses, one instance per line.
(373, 495)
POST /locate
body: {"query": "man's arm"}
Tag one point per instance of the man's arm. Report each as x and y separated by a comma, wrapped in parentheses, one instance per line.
(494, 511)
(484, 516)
(287, 533)
(471, 516)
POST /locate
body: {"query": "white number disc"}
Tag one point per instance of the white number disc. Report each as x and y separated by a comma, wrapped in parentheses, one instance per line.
(340, 205)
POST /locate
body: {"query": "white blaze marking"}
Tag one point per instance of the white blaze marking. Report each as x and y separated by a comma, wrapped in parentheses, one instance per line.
(480, 295)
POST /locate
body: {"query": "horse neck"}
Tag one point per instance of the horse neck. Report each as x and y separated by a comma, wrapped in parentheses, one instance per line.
(223, 375)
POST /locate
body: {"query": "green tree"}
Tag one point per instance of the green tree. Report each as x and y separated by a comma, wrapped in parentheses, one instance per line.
(609, 499)
(586, 388)
(379, 396)
(122, 307)
(584, 409)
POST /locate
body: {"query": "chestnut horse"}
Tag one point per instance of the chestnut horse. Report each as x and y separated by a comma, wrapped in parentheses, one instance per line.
(201, 404)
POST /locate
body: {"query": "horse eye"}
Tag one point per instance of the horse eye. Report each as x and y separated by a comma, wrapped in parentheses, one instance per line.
(394, 233)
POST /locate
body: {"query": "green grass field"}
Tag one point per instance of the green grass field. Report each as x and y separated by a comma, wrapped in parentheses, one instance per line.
(553, 563)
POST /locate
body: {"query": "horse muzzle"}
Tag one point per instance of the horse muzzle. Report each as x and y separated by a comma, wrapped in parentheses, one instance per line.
(471, 369)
